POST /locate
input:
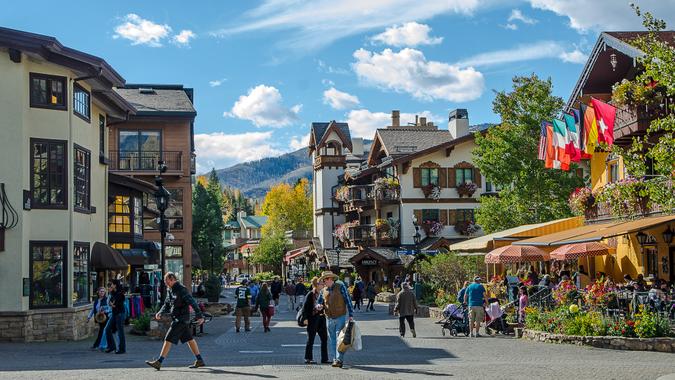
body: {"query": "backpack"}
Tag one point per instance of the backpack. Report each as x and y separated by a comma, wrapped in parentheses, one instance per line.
(300, 317)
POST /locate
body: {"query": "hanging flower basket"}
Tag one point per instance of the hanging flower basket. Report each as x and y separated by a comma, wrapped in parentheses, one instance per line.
(432, 191)
(581, 200)
(432, 227)
(382, 225)
(466, 189)
(342, 194)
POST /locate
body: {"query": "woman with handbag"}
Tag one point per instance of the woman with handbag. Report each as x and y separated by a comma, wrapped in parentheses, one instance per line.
(266, 306)
(98, 312)
(316, 324)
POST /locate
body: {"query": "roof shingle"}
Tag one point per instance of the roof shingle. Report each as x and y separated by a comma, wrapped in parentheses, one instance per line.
(162, 99)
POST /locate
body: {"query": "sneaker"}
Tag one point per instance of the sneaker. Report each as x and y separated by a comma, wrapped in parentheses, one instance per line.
(413, 333)
(309, 361)
(237, 330)
(337, 364)
(109, 350)
(247, 330)
(120, 352)
(154, 364)
(478, 335)
(198, 363)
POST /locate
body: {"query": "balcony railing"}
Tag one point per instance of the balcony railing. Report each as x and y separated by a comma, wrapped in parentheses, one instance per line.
(365, 195)
(330, 161)
(145, 160)
(365, 235)
(601, 211)
(635, 120)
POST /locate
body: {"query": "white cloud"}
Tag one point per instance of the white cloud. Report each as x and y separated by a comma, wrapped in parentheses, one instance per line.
(318, 23)
(326, 68)
(409, 71)
(327, 82)
(141, 31)
(600, 15)
(183, 38)
(263, 107)
(217, 82)
(538, 50)
(409, 34)
(517, 15)
(339, 100)
(511, 26)
(299, 142)
(363, 122)
(221, 150)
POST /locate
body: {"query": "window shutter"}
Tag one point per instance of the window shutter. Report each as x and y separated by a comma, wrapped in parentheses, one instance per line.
(418, 216)
(417, 177)
(452, 220)
(443, 217)
(442, 178)
(476, 177)
(452, 178)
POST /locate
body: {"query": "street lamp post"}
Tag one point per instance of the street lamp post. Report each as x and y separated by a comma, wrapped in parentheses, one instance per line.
(213, 248)
(162, 199)
(248, 261)
(337, 250)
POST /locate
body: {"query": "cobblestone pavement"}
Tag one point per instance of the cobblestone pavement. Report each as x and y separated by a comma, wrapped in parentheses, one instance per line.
(279, 355)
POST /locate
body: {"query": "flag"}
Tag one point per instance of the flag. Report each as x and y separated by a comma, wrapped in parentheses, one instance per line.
(542, 142)
(572, 147)
(605, 115)
(550, 149)
(590, 129)
(560, 141)
(579, 121)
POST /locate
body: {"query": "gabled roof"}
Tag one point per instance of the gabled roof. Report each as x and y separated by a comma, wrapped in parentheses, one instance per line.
(254, 221)
(232, 225)
(320, 131)
(159, 100)
(607, 44)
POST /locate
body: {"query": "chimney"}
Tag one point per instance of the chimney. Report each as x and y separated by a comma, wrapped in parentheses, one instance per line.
(395, 119)
(458, 123)
(423, 122)
(357, 146)
(417, 121)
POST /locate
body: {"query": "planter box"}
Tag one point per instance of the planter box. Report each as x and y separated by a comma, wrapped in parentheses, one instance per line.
(611, 342)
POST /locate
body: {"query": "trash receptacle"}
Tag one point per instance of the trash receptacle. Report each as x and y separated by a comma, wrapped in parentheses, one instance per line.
(418, 290)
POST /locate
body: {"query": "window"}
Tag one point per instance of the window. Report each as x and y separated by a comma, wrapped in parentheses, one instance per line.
(492, 188)
(121, 245)
(463, 175)
(174, 260)
(429, 176)
(139, 150)
(82, 178)
(651, 261)
(138, 216)
(101, 138)
(81, 274)
(119, 215)
(465, 215)
(174, 213)
(47, 91)
(47, 274)
(431, 214)
(81, 102)
(48, 173)
(613, 172)
(389, 171)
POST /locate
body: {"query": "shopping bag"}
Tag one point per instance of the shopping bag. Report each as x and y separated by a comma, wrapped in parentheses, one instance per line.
(356, 342)
(346, 336)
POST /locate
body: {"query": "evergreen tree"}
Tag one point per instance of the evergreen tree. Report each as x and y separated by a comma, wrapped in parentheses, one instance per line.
(208, 224)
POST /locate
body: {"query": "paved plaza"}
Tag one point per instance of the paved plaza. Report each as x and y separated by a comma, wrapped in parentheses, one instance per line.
(279, 355)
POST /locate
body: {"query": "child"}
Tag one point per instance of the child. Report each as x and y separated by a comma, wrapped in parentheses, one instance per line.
(522, 304)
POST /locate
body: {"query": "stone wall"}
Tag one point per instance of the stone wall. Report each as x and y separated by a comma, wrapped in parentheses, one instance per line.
(612, 342)
(46, 325)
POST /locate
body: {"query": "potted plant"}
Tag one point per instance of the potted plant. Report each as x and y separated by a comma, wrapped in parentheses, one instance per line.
(467, 228)
(342, 194)
(466, 189)
(581, 200)
(382, 225)
(432, 227)
(432, 191)
(213, 289)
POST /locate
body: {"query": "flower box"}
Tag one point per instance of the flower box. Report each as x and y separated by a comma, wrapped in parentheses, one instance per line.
(467, 189)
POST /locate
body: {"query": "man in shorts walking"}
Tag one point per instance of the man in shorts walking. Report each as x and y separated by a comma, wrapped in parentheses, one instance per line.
(474, 297)
(243, 309)
(177, 303)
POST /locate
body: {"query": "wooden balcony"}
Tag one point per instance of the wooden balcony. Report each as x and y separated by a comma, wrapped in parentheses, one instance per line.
(329, 161)
(634, 121)
(362, 197)
(601, 212)
(145, 162)
(367, 235)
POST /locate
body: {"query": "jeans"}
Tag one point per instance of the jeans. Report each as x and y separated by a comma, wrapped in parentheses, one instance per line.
(317, 326)
(335, 325)
(101, 328)
(117, 322)
(401, 323)
(370, 306)
(291, 302)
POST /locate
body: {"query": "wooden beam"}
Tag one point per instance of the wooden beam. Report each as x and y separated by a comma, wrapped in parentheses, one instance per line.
(14, 55)
(406, 166)
(449, 150)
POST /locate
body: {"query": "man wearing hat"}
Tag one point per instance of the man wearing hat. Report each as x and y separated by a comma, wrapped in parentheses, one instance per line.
(334, 300)
(475, 298)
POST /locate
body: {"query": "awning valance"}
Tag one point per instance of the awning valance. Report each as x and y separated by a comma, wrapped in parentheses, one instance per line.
(555, 238)
(290, 255)
(621, 229)
(105, 257)
(135, 256)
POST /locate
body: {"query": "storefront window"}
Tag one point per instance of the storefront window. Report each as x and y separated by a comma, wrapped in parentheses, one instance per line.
(119, 215)
(174, 260)
(651, 261)
(81, 274)
(174, 213)
(47, 274)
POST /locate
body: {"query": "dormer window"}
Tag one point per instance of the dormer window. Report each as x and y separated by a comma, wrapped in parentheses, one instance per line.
(333, 149)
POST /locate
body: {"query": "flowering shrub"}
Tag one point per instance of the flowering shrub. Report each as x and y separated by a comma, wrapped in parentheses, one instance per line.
(496, 288)
(432, 227)
(341, 232)
(382, 225)
(622, 327)
(432, 191)
(565, 293)
(649, 324)
(384, 183)
(581, 200)
(467, 188)
(626, 198)
(466, 227)
(598, 294)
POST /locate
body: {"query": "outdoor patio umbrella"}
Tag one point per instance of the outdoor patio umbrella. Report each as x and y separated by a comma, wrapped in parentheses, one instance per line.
(516, 254)
(579, 250)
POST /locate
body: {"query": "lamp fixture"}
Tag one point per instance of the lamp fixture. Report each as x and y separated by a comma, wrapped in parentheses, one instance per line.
(667, 236)
(641, 237)
(613, 61)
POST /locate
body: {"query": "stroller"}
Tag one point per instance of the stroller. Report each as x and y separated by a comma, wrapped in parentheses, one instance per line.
(495, 318)
(456, 320)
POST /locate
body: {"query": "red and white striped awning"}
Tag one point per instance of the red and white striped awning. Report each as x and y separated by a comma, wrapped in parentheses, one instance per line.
(516, 254)
(578, 250)
(290, 255)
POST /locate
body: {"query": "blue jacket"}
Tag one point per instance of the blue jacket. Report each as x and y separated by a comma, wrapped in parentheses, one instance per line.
(255, 289)
(97, 306)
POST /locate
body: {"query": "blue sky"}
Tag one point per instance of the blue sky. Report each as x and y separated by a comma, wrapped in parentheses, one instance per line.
(264, 70)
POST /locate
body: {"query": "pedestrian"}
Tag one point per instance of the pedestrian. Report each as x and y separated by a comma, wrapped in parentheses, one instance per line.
(300, 291)
(116, 302)
(475, 298)
(243, 308)
(255, 289)
(334, 300)
(316, 324)
(289, 289)
(276, 290)
(397, 282)
(357, 296)
(406, 306)
(99, 313)
(371, 293)
(522, 304)
(177, 303)
(264, 302)
(460, 294)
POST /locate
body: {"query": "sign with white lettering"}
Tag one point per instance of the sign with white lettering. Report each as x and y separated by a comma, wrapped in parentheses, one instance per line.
(368, 262)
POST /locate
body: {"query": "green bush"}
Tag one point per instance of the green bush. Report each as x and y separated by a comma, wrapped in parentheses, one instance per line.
(142, 322)
(213, 288)
(264, 276)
